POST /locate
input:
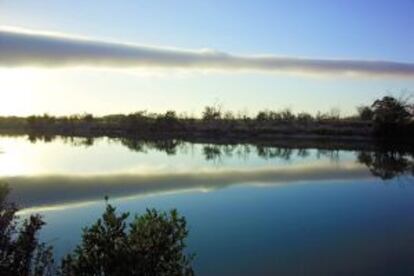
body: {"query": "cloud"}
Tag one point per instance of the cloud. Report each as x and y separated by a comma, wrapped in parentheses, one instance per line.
(22, 48)
(52, 190)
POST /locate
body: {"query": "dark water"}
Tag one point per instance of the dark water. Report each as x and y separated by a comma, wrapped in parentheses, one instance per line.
(251, 210)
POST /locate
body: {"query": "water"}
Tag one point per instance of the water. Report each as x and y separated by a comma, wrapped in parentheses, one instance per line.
(251, 210)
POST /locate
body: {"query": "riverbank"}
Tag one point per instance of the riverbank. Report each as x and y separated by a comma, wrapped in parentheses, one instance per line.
(131, 125)
(388, 120)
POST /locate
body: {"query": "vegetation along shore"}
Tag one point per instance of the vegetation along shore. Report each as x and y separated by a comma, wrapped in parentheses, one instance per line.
(386, 118)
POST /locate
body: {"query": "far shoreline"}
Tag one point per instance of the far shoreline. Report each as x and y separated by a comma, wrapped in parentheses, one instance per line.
(386, 121)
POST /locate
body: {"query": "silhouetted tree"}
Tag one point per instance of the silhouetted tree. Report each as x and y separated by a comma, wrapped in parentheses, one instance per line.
(304, 118)
(287, 115)
(87, 118)
(153, 245)
(211, 113)
(169, 120)
(20, 251)
(390, 114)
(365, 113)
(262, 116)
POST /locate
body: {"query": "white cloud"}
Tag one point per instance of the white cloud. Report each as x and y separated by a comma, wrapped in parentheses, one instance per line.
(23, 48)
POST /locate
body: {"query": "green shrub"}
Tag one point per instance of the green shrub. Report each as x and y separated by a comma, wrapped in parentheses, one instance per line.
(20, 251)
(153, 244)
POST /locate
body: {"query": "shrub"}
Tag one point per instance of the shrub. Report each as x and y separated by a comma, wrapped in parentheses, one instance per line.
(365, 113)
(152, 245)
(20, 251)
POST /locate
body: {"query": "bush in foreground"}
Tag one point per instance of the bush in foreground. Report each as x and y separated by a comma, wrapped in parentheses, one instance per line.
(153, 244)
(20, 251)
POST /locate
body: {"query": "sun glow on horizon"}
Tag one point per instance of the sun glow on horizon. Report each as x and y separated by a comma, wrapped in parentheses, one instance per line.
(18, 87)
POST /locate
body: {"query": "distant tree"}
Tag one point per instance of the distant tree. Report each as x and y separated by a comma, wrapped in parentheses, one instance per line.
(153, 245)
(169, 120)
(365, 113)
(275, 116)
(229, 116)
(87, 117)
(170, 116)
(243, 114)
(389, 110)
(32, 120)
(319, 116)
(390, 115)
(304, 117)
(287, 115)
(211, 113)
(262, 116)
(334, 114)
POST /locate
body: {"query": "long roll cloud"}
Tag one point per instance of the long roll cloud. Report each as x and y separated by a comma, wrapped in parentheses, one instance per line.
(34, 49)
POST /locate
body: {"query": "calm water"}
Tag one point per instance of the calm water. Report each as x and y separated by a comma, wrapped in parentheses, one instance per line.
(251, 210)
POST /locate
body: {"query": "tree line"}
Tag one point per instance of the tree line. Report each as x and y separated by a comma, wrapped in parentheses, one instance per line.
(385, 117)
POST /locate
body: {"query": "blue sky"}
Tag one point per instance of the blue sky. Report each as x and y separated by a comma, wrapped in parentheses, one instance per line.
(362, 30)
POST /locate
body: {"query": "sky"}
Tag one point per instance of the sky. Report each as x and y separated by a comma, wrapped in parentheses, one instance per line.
(66, 57)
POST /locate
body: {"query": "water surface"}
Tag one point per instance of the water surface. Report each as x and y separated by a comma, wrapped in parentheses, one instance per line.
(251, 210)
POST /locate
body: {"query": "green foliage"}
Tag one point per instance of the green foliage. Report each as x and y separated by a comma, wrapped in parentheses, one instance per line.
(152, 245)
(20, 251)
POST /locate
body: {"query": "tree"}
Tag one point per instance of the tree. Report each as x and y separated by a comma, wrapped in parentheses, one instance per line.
(262, 116)
(212, 113)
(87, 117)
(153, 245)
(20, 251)
(365, 113)
(169, 119)
(304, 118)
(390, 111)
(287, 115)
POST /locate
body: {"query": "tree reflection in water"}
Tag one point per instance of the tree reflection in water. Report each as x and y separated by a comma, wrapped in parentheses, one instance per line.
(387, 164)
(383, 161)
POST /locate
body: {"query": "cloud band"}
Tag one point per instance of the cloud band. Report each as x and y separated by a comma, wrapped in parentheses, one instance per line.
(33, 49)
